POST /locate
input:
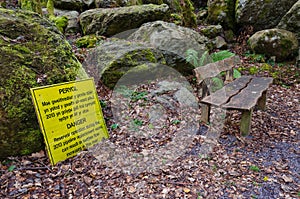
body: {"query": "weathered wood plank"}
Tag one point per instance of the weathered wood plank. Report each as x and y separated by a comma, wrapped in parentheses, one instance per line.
(205, 113)
(223, 95)
(245, 125)
(249, 96)
(213, 69)
(261, 104)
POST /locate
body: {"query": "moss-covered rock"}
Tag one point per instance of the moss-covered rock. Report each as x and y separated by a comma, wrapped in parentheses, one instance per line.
(221, 12)
(79, 5)
(274, 42)
(174, 41)
(111, 21)
(122, 3)
(110, 3)
(291, 20)
(32, 53)
(189, 17)
(88, 41)
(261, 14)
(211, 31)
(31, 5)
(109, 61)
(61, 22)
(72, 16)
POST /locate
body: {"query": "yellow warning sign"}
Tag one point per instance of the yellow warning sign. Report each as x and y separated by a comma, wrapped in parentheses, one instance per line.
(70, 117)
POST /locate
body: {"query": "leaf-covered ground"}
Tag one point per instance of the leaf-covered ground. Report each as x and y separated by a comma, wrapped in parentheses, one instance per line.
(265, 164)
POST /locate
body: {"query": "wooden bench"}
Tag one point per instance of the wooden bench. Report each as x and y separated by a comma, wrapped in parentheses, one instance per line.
(241, 94)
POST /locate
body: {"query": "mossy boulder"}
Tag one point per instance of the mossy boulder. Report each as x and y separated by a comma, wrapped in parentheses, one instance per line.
(110, 21)
(291, 20)
(33, 53)
(221, 12)
(79, 5)
(109, 61)
(174, 41)
(110, 3)
(88, 41)
(280, 43)
(72, 16)
(212, 31)
(123, 3)
(261, 14)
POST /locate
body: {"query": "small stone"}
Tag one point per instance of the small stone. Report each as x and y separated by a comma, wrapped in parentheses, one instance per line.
(131, 189)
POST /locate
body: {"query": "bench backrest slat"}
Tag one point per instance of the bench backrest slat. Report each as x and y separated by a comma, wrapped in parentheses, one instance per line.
(213, 69)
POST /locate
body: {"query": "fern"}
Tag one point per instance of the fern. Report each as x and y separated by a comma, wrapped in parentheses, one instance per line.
(217, 84)
(192, 57)
(203, 58)
(236, 74)
(218, 56)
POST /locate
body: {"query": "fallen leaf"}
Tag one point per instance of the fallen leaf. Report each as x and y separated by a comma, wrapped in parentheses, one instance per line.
(287, 179)
(186, 190)
(40, 154)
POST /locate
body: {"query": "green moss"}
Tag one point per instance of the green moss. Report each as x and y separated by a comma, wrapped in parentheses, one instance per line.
(50, 7)
(88, 41)
(253, 70)
(119, 67)
(188, 15)
(60, 22)
(222, 12)
(134, 2)
(266, 67)
(176, 18)
(31, 5)
(30, 136)
(21, 49)
(31, 49)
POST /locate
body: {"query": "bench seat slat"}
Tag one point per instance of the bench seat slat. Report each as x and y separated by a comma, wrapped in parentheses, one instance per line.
(248, 97)
(223, 95)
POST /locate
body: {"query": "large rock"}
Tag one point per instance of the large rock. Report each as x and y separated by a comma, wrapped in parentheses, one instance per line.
(221, 12)
(261, 14)
(110, 3)
(110, 21)
(72, 16)
(79, 5)
(291, 20)
(120, 3)
(112, 59)
(274, 42)
(32, 53)
(173, 41)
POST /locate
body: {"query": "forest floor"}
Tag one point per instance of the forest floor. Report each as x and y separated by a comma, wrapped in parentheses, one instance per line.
(265, 164)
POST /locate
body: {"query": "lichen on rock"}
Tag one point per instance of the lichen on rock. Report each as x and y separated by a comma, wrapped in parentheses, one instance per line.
(173, 41)
(109, 61)
(280, 43)
(261, 14)
(291, 20)
(33, 53)
(110, 21)
(221, 12)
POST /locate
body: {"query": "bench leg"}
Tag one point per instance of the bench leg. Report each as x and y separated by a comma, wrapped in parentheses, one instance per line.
(205, 113)
(245, 125)
(261, 104)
